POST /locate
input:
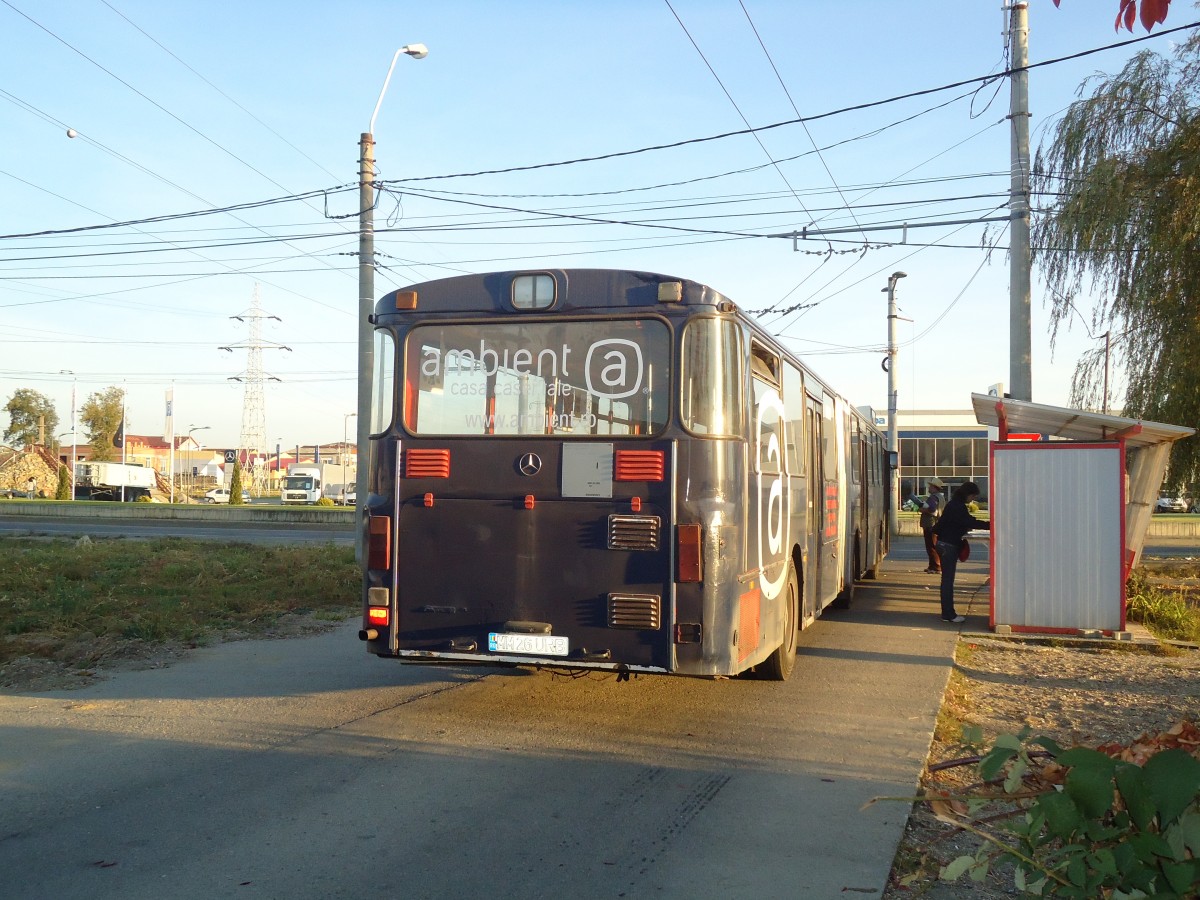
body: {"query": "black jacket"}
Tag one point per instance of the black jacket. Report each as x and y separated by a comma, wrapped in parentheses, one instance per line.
(956, 521)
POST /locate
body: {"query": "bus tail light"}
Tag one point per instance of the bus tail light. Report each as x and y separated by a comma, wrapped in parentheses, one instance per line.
(688, 553)
(379, 543)
(423, 463)
(379, 609)
(639, 465)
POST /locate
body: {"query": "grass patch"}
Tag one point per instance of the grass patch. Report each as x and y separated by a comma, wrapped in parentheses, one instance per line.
(54, 594)
(1169, 613)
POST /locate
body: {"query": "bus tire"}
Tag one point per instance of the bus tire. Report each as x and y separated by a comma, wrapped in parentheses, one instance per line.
(779, 665)
(845, 597)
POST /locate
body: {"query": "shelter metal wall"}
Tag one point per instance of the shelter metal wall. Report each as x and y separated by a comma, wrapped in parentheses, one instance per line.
(1057, 536)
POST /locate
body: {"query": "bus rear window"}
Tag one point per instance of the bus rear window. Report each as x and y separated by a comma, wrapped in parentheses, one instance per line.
(570, 379)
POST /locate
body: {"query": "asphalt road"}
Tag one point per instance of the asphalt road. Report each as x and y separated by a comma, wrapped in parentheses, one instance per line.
(304, 768)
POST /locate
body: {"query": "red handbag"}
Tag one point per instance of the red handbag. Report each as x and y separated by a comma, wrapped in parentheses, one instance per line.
(964, 552)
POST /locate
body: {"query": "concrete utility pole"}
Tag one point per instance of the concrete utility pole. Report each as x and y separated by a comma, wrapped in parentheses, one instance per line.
(366, 298)
(893, 441)
(1019, 329)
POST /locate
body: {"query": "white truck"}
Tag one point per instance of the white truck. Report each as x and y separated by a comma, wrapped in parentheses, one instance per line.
(112, 481)
(307, 482)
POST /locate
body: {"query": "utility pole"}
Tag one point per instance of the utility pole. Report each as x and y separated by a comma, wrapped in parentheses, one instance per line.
(893, 440)
(1019, 328)
(366, 300)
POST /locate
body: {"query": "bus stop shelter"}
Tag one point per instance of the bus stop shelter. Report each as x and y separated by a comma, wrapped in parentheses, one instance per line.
(1070, 499)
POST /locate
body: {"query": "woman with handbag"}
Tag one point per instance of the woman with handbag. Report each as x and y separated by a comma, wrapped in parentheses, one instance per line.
(956, 520)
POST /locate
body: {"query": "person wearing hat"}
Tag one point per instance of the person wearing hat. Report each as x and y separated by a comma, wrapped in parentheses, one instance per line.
(956, 520)
(929, 516)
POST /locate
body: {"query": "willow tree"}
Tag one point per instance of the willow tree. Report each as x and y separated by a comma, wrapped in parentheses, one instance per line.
(1119, 232)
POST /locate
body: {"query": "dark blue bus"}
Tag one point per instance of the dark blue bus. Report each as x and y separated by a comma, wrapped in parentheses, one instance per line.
(606, 470)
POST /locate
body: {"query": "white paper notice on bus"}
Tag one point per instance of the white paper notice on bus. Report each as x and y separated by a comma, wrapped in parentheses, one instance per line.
(528, 644)
(587, 470)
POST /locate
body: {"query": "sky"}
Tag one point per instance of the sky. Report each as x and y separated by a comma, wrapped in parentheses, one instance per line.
(215, 158)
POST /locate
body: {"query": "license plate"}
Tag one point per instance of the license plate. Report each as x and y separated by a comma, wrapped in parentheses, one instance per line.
(532, 644)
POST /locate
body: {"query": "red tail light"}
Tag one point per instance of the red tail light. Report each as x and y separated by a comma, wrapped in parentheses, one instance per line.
(639, 465)
(688, 553)
(426, 463)
(379, 546)
(378, 615)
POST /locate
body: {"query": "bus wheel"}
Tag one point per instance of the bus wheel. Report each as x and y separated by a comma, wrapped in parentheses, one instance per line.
(845, 597)
(779, 664)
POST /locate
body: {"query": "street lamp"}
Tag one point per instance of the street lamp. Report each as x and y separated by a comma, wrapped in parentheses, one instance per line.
(893, 444)
(366, 291)
(345, 445)
(191, 469)
(74, 382)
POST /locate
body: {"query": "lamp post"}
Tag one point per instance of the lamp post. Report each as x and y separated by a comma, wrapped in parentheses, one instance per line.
(74, 382)
(366, 291)
(893, 444)
(191, 469)
(345, 446)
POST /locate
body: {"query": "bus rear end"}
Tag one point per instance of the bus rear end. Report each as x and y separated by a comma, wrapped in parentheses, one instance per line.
(522, 475)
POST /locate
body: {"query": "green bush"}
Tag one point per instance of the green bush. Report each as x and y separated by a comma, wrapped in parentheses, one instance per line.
(1081, 823)
(325, 501)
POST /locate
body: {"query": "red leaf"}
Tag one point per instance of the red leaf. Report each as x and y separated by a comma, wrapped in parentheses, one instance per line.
(1128, 12)
(1154, 12)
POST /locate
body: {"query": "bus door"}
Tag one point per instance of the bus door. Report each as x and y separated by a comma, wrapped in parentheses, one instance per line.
(770, 497)
(832, 486)
(815, 514)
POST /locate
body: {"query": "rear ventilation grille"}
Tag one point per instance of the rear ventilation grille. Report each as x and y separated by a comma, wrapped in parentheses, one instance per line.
(634, 611)
(427, 464)
(633, 532)
(639, 465)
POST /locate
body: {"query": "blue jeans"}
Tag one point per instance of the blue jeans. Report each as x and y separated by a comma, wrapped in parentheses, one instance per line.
(948, 553)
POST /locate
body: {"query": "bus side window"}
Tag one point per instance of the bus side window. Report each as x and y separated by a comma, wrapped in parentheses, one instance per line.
(769, 452)
(383, 382)
(793, 405)
(712, 363)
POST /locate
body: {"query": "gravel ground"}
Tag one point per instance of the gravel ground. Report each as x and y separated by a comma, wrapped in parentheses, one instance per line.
(1084, 694)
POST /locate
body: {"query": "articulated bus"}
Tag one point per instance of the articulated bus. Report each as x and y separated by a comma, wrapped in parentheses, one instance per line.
(606, 470)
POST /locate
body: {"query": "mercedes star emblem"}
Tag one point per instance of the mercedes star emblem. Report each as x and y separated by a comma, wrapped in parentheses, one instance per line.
(530, 464)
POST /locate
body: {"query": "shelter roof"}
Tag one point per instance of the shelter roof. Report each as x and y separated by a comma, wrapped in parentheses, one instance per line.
(1073, 424)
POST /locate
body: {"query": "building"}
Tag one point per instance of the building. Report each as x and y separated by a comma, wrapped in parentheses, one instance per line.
(948, 444)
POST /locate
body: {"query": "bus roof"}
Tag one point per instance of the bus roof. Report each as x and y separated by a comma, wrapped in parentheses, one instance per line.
(575, 288)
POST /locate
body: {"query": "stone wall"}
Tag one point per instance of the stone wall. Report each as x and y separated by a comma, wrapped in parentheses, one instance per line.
(17, 467)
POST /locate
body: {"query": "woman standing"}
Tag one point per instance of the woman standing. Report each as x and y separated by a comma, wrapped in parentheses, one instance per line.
(952, 528)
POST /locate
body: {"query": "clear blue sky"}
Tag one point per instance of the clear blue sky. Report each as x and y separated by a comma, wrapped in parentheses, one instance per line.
(188, 106)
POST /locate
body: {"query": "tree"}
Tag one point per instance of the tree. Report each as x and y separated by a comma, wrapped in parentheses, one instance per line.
(235, 485)
(63, 490)
(1122, 175)
(1154, 12)
(31, 415)
(101, 417)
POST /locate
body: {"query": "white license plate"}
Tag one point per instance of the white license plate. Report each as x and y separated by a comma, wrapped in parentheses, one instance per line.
(531, 644)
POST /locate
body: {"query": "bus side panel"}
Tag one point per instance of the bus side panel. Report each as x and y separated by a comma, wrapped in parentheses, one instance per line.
(740, 617)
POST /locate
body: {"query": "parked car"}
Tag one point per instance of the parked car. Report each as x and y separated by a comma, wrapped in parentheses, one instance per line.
(221, 495)
(348, 495)
(1170, 503)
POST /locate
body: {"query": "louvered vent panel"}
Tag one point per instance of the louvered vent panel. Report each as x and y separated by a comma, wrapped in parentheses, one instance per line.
(639, 465)
(426, 463)
(633, 532)
(633, 611)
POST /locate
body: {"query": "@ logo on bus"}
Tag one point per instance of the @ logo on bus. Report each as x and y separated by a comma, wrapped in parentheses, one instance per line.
(613, 368)
(774, 503)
